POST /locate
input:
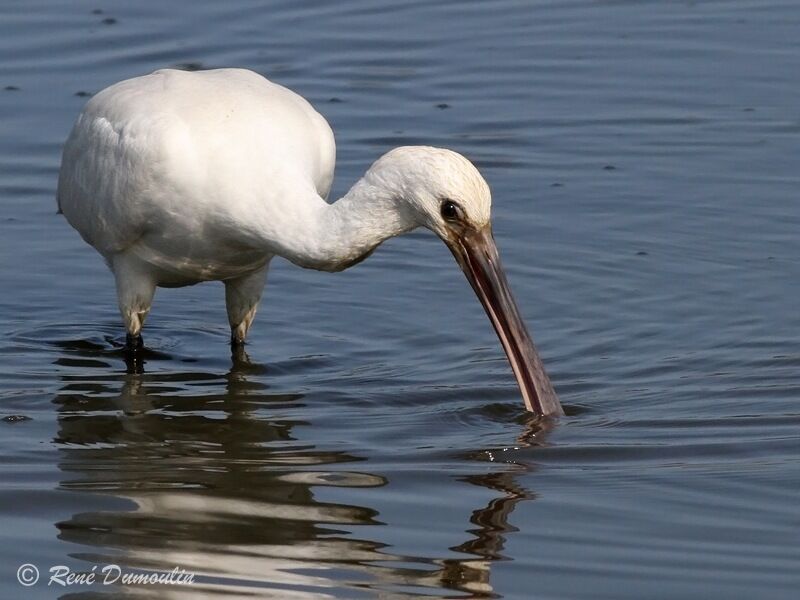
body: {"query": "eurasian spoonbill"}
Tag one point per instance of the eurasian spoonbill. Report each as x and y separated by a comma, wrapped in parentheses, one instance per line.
(180, 177)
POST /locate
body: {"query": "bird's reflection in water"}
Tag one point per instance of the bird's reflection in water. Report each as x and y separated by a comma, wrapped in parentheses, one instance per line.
(221, 487)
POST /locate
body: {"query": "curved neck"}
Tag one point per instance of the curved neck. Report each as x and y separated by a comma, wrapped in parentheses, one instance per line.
(344, 233)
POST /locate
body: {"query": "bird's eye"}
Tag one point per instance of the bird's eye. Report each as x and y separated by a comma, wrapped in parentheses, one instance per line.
(450, 210)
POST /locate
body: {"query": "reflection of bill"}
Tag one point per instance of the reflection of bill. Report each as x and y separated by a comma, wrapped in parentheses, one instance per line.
(220, 486)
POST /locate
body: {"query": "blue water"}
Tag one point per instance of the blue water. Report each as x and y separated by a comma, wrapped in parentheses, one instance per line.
(643, 160)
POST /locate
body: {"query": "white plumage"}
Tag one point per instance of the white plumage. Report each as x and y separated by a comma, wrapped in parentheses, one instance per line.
(181, 177)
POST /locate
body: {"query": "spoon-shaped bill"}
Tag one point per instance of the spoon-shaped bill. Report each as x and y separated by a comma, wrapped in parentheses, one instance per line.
(477, 255)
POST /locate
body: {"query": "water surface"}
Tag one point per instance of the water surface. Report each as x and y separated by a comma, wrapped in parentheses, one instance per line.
(372, 443)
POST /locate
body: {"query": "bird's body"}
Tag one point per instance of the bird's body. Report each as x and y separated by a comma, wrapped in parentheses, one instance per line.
(151, 171)
(181, 177)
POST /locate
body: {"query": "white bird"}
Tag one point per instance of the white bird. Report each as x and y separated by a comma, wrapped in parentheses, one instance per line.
(180, 177)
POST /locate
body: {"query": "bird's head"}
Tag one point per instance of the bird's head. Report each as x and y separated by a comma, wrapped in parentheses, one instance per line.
(439, 188)
(444, 192)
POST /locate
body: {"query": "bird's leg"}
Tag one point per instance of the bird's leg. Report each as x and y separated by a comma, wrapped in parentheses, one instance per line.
(242, 296)
(133, 343)
(239, 357)
(135, 290)
(134, 355)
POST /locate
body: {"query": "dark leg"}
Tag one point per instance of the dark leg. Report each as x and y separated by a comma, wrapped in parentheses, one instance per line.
(238, 354)
(133, 343)
(134, 353)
